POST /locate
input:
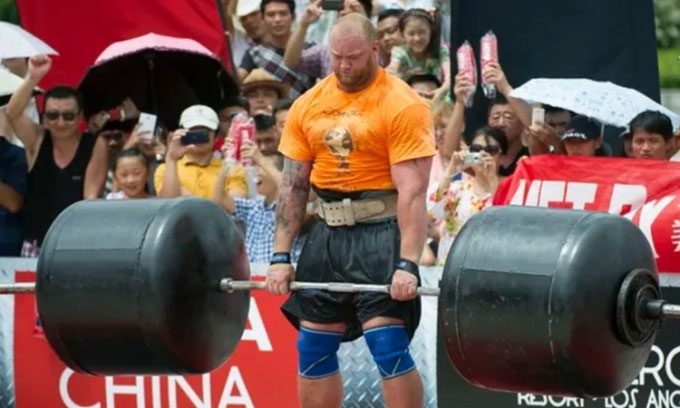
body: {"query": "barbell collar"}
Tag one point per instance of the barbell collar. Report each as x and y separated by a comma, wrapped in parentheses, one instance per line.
(17, 288)
(230, 285)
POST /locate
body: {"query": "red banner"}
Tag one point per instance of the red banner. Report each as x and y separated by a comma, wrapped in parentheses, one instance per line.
(645, 191)
(80, 29)
(261, 373)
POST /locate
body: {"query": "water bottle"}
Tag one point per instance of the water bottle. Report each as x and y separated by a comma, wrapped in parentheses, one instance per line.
(488, 53)
(466, 64)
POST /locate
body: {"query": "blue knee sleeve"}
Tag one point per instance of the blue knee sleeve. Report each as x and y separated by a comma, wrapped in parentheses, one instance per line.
(389, 347)
(317, 351)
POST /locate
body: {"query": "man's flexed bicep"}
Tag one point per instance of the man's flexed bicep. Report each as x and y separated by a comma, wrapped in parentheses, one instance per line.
(292, 202)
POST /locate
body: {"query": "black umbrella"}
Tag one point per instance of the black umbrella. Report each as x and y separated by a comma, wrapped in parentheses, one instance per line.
(162, 75)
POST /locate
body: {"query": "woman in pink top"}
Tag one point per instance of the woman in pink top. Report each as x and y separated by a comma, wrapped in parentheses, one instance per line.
(441, 114)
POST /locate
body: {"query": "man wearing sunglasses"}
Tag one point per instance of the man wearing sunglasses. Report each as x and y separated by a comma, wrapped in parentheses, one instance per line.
(64, 164)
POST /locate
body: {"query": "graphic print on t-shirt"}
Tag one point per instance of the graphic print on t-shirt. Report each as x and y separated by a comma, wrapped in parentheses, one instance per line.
(339, 142)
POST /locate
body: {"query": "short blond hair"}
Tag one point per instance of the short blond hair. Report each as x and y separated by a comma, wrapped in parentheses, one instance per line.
(356, 23)
(441, 109)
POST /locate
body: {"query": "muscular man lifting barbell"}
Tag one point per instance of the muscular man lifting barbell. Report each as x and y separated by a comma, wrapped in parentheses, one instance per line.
(365, 140)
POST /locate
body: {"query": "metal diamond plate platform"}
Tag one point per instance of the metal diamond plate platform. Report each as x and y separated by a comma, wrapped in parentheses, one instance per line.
(359, 374)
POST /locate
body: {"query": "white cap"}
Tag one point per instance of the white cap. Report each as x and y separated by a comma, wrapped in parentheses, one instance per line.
(245, 7)
(392, 5)
(199, 115)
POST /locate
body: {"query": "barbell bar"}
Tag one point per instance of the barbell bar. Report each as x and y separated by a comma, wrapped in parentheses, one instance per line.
(654, 310)
(17, 288)
(531, 300)
(230, 285)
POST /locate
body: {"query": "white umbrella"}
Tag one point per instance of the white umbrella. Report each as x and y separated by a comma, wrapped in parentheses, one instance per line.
(15, 42)
(607, 102)
(8, 84)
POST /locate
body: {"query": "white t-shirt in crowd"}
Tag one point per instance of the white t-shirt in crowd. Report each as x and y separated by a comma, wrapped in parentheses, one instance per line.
(116, 195)
(240, 43)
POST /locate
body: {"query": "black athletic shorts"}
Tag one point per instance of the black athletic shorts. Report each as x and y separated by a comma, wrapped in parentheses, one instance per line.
(364, 253)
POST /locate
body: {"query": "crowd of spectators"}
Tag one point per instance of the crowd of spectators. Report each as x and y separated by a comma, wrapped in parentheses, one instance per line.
(280, 49)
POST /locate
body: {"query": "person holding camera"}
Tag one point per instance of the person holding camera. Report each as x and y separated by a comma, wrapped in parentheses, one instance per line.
(190, 168)
(456, 201)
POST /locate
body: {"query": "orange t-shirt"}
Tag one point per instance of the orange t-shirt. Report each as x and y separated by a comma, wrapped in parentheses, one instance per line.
(353, 138)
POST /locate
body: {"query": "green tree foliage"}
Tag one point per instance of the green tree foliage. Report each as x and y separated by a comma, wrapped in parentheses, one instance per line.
(669, 67)
(8, 11)
(667, 23)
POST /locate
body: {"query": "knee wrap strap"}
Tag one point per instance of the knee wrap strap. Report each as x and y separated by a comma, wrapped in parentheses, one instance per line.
(389, 347)
(317, 352)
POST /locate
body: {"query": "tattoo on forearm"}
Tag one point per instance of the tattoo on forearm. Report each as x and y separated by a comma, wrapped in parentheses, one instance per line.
(292, 203)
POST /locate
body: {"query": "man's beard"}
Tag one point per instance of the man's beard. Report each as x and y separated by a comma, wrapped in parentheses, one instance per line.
(351, 80)
(356, 79)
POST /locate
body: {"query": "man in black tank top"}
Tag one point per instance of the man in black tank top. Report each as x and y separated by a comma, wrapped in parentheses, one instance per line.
(64, 164)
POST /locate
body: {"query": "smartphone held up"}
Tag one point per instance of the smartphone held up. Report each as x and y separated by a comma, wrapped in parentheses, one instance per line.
(195, 137)
(538, 116)
(332, 5)
(147, 127)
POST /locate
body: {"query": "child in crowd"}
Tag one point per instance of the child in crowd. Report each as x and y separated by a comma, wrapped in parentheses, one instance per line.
(280, 114)
(130, 173)
(259, 213)
(422, 52)
(455, 202)
(266, 134)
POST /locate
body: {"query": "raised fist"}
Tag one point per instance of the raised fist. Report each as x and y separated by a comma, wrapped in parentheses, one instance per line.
(39, 66)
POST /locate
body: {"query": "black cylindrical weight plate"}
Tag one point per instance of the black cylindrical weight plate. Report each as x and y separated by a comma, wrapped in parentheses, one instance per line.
(529, 301)
(131, 287)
